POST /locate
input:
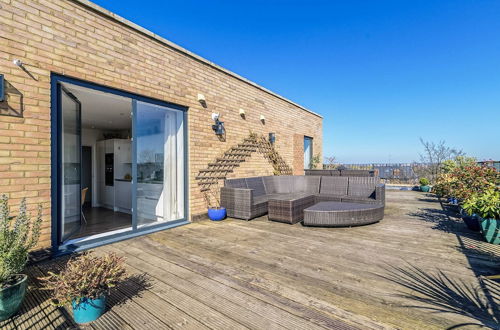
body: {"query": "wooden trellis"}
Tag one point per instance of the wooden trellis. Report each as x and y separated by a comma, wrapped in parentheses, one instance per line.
(210, 177)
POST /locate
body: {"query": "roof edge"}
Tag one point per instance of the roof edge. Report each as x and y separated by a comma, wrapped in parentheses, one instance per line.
(138, 28)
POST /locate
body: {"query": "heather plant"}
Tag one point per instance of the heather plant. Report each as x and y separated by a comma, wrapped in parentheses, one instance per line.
(85, 276)
(18, 235)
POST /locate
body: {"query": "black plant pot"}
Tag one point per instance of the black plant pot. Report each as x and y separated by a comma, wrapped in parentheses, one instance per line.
(472, 222)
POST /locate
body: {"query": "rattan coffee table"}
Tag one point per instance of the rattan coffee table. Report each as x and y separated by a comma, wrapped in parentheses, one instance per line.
(289, 208)
(342, 214)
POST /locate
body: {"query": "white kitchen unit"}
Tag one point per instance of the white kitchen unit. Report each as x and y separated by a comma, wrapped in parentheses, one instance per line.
(116, 192)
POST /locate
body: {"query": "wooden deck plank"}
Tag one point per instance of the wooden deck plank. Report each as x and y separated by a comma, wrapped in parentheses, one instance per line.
(199, 311)
(265, 275)
(245, 309)
(225, 277)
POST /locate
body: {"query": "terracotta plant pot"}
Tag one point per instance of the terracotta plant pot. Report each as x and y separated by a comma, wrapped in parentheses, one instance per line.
(12, 297)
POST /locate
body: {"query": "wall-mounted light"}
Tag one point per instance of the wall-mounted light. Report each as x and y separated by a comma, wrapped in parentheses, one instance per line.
(218, 127)
(18, 62)
(262, 119)
(242, 113)
(272, 138)
(201, 99)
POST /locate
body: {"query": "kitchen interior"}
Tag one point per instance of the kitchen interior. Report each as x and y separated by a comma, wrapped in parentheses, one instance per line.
(106, 161)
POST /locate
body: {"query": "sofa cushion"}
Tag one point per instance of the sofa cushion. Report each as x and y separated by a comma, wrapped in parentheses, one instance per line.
(236, 183)
(308, 184)
(327, 198)
(359, 199)
(278, 184)
(334, 185)
(257, 185)
(362, 186)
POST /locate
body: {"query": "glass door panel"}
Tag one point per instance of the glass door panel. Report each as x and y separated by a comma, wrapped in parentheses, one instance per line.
(71, 163)
(160, 164)
(307, 152)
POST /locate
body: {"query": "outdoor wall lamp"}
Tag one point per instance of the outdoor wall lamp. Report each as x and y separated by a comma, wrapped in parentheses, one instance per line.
(272, 138)
(18, 62)
(242, 113)
(201, 99)
(262, 118)
(218, 127)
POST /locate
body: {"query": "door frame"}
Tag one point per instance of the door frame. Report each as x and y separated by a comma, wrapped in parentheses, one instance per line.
(56, 169)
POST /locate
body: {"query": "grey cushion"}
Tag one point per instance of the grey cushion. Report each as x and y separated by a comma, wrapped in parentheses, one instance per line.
(327, 198)
(302, 183)
(359, 199)
(334, 185)
(278, 184)
(269, 184)
(257, 185)
(362, 186)
(236, 183)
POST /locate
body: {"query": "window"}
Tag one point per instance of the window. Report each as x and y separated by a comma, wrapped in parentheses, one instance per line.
(308, 152)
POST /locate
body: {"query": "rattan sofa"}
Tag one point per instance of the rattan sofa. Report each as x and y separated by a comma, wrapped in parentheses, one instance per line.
(247, 198)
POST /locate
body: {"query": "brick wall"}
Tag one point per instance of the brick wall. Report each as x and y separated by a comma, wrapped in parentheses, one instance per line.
(256, 165)
(66, 37)
(298, 154)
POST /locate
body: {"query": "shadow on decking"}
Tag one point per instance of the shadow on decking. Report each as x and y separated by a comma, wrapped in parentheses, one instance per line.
(441, 294)
(38, 313)
(448, 295)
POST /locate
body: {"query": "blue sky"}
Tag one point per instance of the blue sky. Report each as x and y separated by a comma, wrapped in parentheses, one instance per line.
(382, 73)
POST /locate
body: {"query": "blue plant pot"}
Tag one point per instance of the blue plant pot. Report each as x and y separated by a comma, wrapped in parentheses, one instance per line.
(490, 228)
(471, 221)
(88, 310)
(217, 214)
(12, 297)
(425, 188)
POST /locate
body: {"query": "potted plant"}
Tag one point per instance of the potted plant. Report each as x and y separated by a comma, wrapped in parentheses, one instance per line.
(18, 235)
(212, 198)
(85, 283)
(470, 220)
(487, 206)
(424, 185)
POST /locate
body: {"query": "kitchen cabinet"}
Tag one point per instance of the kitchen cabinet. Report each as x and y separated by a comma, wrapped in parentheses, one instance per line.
(118, 194)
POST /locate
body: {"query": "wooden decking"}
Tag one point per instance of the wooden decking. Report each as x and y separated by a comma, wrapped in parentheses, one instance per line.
(417, 269)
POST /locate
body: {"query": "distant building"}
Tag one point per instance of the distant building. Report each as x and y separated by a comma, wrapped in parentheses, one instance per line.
(491, 163)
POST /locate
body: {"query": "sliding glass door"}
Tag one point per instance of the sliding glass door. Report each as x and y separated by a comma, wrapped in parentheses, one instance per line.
(71, 163)
(137, 169)
(160, 164)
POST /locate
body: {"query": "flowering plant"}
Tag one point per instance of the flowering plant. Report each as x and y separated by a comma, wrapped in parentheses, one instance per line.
(464, 181)
(85, 276)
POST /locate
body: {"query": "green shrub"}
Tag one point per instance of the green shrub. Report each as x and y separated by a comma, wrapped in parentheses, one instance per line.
(17, 236)
(464, 181)
(85, 276)
(424, 181)
(485, 204)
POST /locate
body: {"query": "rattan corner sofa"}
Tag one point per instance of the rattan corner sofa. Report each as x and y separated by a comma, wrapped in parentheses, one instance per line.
(248, 198)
